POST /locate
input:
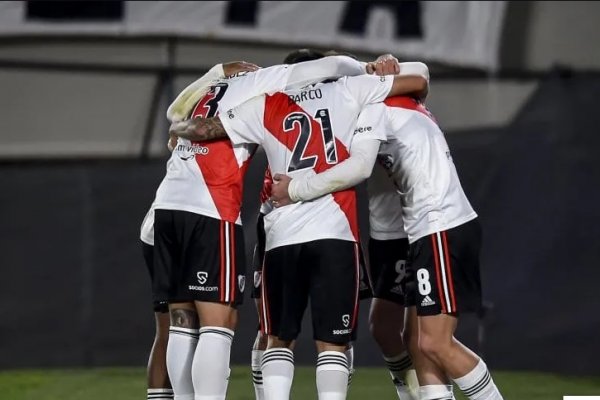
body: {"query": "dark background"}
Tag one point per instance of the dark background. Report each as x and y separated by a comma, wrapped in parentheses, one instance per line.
(74, 289)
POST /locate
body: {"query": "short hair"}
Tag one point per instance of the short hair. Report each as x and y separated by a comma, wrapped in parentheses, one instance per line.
(340, 53)
(302, 55)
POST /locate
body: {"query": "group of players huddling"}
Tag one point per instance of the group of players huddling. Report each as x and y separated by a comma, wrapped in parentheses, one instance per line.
(324, 121)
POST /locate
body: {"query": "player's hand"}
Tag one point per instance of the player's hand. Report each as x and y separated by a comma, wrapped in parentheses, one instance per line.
(385, 64)
(172, 143)
(279, 191)
(235, 67)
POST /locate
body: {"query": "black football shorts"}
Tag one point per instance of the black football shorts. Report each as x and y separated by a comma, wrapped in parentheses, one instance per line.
(198, 258)
(326, 272)
(446, 270)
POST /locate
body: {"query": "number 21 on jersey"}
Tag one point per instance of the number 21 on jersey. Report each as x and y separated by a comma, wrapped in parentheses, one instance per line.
(301, 159)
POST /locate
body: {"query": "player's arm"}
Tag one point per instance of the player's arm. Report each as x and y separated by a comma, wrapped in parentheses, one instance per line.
(345, 175)
(243, 124)
(350, 172)
(370, 89)
(415, 75)
(411, 85)
(331, 67)
(187, 99)
(198, 129)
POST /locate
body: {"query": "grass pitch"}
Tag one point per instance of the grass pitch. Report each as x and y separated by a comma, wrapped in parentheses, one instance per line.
(368, 384)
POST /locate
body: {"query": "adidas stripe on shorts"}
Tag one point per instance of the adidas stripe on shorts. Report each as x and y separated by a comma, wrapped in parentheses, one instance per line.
(445, 267)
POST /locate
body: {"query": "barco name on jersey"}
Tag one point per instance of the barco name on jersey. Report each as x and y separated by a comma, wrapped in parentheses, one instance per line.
(311, 94)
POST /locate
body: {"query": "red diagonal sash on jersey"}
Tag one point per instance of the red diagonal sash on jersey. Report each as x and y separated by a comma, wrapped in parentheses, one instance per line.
(410, 104)
(277, 107)
(220, 169)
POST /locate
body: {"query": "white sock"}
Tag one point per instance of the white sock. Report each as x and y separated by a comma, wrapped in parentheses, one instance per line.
(160, 394)
(350, 357)
(210, 370)
(436, 392)
(332, 375)
(180, 354)
(257, 378)
(278, 373)
(413, 383)
(478, 384)
(398, 367)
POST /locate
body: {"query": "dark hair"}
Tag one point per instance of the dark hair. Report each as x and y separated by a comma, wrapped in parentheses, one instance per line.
(340, 53)
(301, 55)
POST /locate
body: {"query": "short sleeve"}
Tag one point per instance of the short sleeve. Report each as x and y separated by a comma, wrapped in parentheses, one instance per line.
(372, 123)
(368, 89)
(244, 123)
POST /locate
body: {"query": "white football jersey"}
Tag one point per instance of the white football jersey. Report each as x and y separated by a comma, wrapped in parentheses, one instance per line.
(385, 211)
(207, 178)
(304, 132)
(417, 157)
(147, 228)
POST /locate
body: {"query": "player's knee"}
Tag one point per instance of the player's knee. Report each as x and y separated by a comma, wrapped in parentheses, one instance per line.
(224, 319)
(163, 322)
(184, 318)
(432, 346)
(377, 330)
(382, 330)
(409, 340)
(261, 341)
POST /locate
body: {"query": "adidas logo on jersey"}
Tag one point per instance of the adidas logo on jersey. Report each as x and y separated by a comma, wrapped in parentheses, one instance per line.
(427, 302)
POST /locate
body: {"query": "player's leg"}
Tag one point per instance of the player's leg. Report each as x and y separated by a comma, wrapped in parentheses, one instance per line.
(365, 292)
(215, 275)
(451, 284)
(184, 324)
(261, 340)
(386, 323)
(159, 386)
(386, 317)
(210, 369)
(258, 349)
(183, 338)
(334, 296)
(435, 384)
(284, 297)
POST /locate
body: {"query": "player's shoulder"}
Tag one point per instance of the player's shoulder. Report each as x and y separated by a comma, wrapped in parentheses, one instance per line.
(373, 112)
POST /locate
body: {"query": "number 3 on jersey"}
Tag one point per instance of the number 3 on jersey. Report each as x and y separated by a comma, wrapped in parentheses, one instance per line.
(301, 120)
(208, 106)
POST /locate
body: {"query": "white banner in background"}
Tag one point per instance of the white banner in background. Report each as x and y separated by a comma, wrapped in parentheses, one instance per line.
(464, 33)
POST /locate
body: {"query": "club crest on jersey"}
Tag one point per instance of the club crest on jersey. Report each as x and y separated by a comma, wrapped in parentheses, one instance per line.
(257, 279)
(241, 282)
